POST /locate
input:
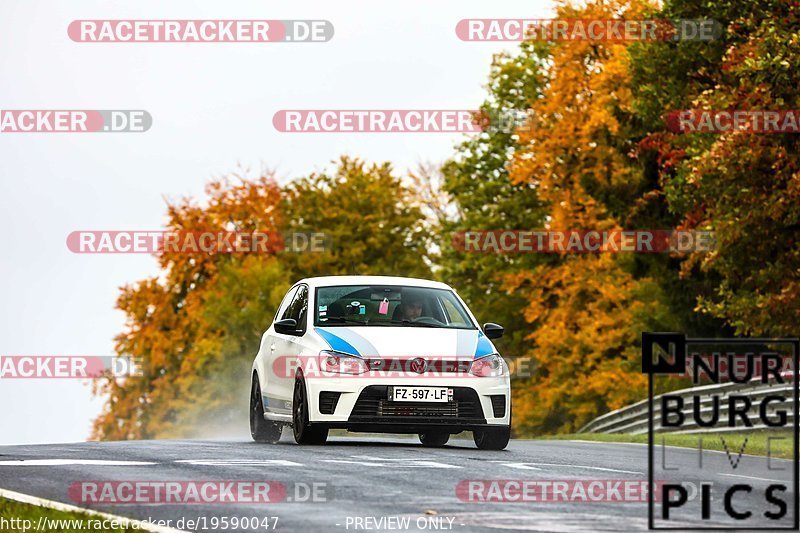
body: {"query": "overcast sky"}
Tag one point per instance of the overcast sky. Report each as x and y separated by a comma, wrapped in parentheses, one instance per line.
(212, 107)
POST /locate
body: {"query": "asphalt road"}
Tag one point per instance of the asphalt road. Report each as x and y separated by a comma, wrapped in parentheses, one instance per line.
(375, 483)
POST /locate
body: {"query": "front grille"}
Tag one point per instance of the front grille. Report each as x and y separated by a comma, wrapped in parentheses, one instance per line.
(403, 366)
(374, 406)
(387, 408)
(498, 405)
(328, 401)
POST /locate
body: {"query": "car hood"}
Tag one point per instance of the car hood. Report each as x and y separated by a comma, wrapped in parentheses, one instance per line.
(406, 341)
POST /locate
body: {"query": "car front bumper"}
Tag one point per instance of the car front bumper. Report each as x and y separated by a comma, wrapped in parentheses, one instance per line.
(362, 404)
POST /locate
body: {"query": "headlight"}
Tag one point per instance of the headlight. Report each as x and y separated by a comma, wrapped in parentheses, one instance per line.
(341, 363)
(488, 366)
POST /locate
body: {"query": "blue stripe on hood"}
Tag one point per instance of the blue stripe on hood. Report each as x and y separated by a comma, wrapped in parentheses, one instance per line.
(484, 346)
(337, 343)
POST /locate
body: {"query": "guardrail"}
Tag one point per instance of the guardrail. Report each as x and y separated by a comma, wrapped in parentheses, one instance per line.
(633, 419)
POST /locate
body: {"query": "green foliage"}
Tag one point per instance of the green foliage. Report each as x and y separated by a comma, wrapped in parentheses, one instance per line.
(476, 179)
(366, 212)
(742, 185)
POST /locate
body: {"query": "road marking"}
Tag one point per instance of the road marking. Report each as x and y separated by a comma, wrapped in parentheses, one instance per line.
(420, 462)
(69, 462)
(565, 522)
(751, 477)
(601, 442)
(520, 466)
(526, 466)
(58, 506)
(239, 462)
(391, 463)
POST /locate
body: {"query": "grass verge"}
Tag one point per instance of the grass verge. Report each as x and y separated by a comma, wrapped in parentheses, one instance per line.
(779, 444)
(16, 517)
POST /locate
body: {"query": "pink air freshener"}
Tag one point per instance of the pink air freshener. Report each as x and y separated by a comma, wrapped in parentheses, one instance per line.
(383, 308)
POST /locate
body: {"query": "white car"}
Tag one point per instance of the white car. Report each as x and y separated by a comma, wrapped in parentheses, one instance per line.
(379, 354)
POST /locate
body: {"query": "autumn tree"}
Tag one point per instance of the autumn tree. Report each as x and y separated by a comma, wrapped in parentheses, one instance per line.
(197, 326)
(167, 327)
(366, 213)
(586, 311)
(744, 186)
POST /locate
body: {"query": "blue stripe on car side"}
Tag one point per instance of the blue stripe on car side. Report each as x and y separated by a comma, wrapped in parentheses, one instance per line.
(363, 347)
(484, 346)
(337, 343)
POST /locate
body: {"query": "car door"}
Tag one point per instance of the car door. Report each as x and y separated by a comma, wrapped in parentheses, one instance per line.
(273, 364)
(289, 347)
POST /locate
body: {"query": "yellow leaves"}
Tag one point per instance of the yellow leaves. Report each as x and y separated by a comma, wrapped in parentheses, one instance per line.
(586, 311)
(589, 86)
(166, 328)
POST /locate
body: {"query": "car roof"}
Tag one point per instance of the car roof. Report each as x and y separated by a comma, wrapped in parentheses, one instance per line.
(332, 281)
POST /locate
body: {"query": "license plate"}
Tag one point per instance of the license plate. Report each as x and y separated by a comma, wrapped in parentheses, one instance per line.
(420, 394)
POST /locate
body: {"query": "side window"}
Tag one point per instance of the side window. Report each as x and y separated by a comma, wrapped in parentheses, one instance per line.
(283, 309)
(454, 318)
(298, 309)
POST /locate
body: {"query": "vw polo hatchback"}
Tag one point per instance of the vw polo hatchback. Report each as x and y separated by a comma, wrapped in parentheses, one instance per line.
(379, 354)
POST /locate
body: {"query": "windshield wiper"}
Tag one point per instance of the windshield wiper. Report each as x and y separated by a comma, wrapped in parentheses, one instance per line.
(407, 322)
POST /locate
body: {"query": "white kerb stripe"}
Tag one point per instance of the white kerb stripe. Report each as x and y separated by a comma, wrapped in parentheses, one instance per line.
(58, 506)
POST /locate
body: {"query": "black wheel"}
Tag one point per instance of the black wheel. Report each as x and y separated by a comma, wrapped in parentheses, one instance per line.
(434, 439)
(304, 432)
(492, 438)
(261, 430)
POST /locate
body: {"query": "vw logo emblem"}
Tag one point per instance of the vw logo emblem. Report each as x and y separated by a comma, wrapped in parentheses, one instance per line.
(418, 365)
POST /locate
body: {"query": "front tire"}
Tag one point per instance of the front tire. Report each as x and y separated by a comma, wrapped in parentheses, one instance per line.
(260, 429)
(492, 438)
(304, 431)
(434, 439)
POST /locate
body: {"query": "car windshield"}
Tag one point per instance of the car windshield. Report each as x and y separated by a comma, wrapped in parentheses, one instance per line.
(389, 305)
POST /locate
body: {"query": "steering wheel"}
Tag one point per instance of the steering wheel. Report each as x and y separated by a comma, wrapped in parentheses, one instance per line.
(428, 320)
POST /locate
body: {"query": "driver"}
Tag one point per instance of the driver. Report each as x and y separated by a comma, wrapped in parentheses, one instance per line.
(412, 308)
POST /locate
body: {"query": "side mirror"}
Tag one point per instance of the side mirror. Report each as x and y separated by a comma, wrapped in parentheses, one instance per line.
(493, 331)
(287, 326)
